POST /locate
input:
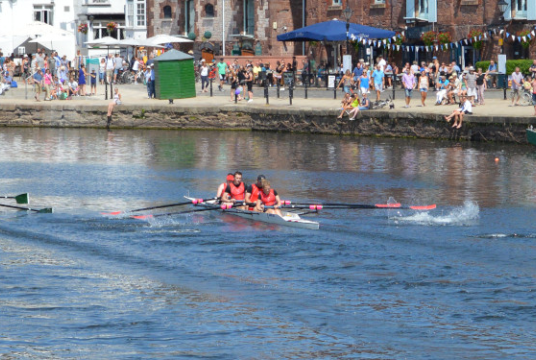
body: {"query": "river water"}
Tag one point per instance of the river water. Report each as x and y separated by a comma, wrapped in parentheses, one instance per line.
(457, 282)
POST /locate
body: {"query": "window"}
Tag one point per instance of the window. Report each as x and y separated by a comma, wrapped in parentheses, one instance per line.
(44, 13)
(520, 8)
(130, 13)
(99, 30)
(337, 2)
(379, 1)
(422, 8)
(140, 13)
(167, 12)
(249, 17)
(189, 16)
(209, 10)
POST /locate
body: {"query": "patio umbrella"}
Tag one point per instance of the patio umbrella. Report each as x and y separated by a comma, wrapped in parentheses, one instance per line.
(334, 30)
(165, 39)
(105, 41)
(37, 28)
(138, 42)
(48, 40)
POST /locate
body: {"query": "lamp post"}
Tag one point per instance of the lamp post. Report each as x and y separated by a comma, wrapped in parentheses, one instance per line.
(347, 14)
(503, 5)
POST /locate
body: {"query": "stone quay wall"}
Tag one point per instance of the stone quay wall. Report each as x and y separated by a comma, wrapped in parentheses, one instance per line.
(262, 118)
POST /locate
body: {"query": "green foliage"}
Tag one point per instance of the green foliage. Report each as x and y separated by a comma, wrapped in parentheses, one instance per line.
(511, 65)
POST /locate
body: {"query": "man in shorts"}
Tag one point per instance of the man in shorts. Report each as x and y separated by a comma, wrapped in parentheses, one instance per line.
(378, 76)
(222, 70)
(517, 83)
(408, 79)
(471, 85)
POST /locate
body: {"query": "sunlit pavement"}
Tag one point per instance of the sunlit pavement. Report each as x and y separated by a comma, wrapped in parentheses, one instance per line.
(318, 99)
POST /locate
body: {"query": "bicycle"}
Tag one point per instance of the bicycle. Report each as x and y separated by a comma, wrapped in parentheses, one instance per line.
(525, 98)
(126, 77)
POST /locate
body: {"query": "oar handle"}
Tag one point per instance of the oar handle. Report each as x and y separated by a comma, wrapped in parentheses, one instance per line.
(25, 208)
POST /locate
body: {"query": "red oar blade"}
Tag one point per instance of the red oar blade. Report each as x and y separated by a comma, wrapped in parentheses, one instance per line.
(112, 213)
(423, 207)
(142, 217)
(397, 205)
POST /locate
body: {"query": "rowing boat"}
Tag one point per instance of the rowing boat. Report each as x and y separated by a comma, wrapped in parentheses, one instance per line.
(287, 218)
(531, 135)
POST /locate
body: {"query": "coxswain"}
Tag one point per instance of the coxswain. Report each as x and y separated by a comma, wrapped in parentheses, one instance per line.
(235, 191)
(268, 197)
(252, 192)
(223, 186)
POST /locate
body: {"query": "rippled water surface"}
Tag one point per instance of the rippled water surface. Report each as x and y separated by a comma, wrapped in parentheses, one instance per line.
(457, 282)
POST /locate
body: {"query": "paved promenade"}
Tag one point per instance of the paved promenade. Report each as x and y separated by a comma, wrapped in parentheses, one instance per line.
(318, 99)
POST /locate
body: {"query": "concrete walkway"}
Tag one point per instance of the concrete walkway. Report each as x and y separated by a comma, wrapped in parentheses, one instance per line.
(320, 99)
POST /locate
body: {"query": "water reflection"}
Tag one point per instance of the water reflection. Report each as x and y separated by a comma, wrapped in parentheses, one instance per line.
(316, 167)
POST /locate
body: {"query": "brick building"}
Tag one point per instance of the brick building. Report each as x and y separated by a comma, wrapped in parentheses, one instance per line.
(251, 27)
(412, 18)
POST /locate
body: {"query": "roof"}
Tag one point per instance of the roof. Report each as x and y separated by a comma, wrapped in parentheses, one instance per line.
(173, 55)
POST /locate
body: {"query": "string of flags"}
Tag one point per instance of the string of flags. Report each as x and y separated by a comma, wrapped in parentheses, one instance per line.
(390, 43)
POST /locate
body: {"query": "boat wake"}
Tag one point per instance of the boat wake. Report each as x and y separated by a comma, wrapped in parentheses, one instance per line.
(466, 215)
(504, 236)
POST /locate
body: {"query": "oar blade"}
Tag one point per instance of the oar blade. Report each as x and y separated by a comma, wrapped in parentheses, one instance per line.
(142, 217)
(112, 213)
(423, 207)
(45, 211)
(23, 198)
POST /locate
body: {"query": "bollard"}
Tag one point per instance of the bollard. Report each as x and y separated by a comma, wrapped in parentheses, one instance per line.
(105, 86)
(306, 85)
(334, 91)
(505, 85)
(266, 92)
(393, 84)
(291, 91)
(211, 87)
(278, 88)
(235, 97)
(111, 89)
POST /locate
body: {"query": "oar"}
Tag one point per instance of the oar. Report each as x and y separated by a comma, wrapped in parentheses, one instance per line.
(287, 203)
(20, 199)
(45, 210)
(195, 202)
(143, 217)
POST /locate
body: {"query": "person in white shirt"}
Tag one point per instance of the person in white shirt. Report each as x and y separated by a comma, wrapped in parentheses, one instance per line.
(109, 68)
(382, 63)
(458, 114)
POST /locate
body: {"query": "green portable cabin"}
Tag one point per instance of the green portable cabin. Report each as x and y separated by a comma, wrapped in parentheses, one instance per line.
(175, 75)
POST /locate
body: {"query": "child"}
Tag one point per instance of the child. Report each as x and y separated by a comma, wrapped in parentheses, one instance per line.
(527, 86)
(93, 76)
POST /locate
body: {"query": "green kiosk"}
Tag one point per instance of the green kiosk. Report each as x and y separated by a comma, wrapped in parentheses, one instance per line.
(175, 75)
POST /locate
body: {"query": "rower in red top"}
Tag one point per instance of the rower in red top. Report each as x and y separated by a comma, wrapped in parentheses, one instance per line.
(252, 192)
(223, 186)
(235, 191)
(268, 197)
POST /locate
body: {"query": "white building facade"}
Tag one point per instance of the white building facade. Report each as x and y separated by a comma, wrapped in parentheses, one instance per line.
(16, 14)
(129, 16)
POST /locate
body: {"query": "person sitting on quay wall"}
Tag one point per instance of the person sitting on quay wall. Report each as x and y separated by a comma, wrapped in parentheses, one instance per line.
(457, 114)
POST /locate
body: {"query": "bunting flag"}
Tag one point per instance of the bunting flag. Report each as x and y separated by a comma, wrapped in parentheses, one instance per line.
(507, 34)
(475, 39)
(530, 37)
(514, 38)
(384, 41)
(524, 39)
(532, 32)
(456, 45)
(389, 40)
(398, 47)
(485, 36)
(466, 43)
(437, 48)
(480, 37)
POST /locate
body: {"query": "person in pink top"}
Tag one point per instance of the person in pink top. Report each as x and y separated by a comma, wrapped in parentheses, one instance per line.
(48, 84)
(408, 80)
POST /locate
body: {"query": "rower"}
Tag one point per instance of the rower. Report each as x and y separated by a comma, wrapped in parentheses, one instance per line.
(252, 192)
(235, 191)
(223, 186)
(268, 197)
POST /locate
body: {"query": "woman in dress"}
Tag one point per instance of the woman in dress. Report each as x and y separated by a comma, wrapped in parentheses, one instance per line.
(102, 70)
(423, 86)
(116, 101)
(82, 80)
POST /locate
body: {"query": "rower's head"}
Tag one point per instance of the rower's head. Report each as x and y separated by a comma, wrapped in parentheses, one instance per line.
(230, 178)
(260, 179)
(237, 178)
(266, 186)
